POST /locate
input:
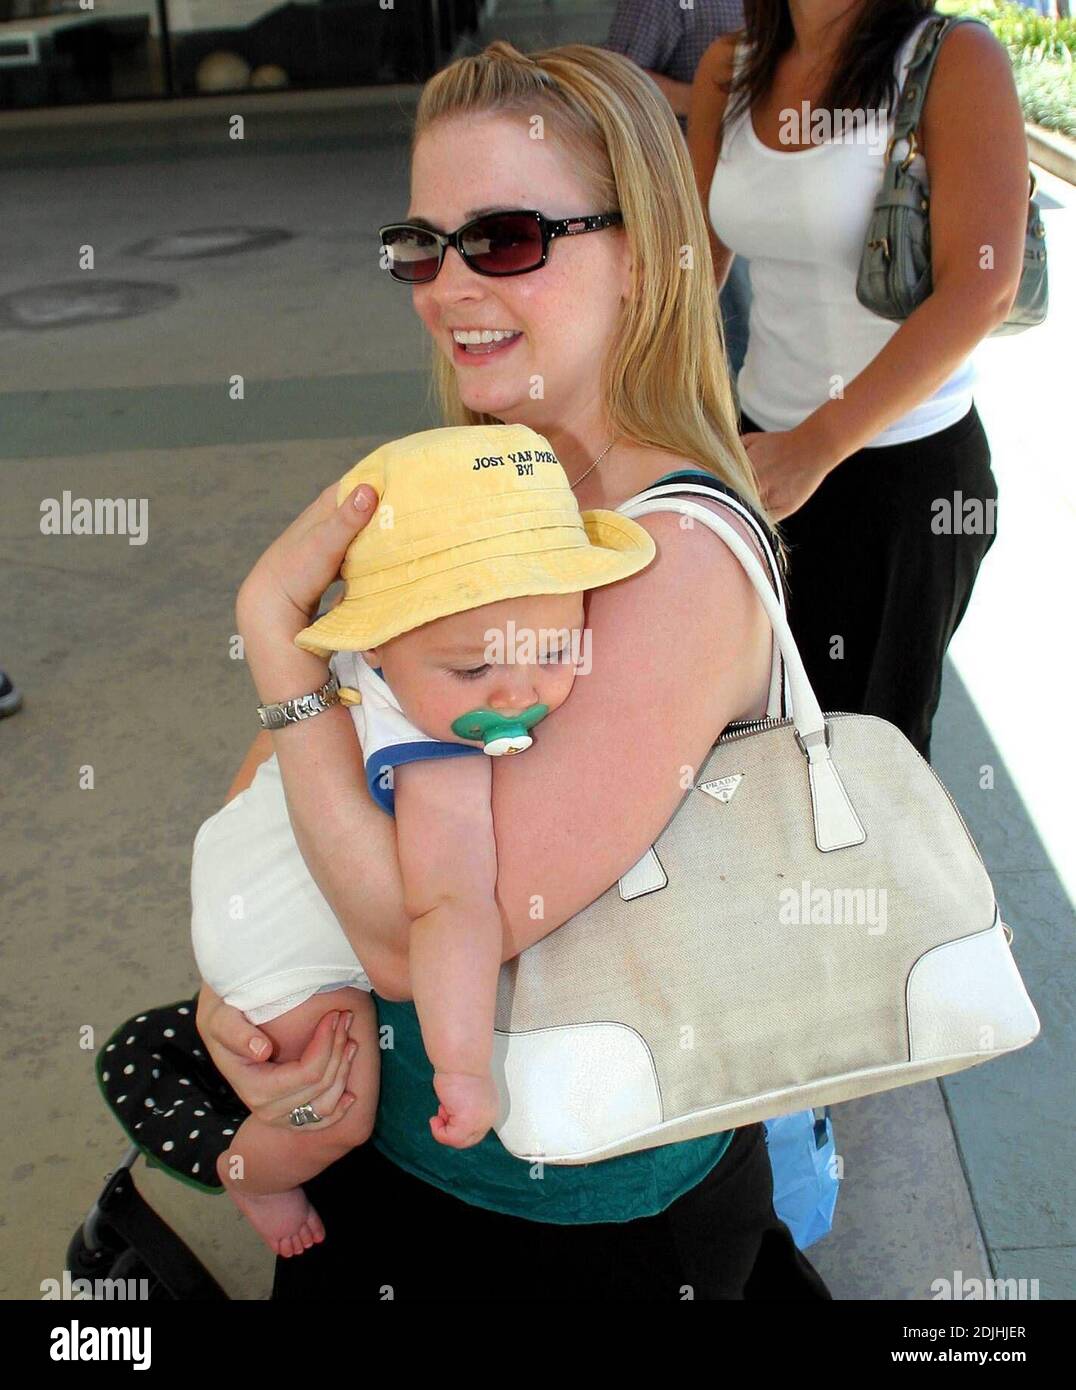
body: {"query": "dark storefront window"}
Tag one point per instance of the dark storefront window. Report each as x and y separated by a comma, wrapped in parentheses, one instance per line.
(59, 52)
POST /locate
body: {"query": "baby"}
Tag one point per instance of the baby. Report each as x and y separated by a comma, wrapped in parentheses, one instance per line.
(460, 626)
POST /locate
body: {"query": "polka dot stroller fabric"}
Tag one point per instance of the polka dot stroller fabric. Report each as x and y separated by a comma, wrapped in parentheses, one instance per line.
(169, 1098)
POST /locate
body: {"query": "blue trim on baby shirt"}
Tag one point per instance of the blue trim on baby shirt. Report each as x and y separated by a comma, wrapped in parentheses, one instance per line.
(399, 754)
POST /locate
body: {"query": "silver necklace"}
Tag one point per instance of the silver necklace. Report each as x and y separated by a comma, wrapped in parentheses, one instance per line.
(595, 463)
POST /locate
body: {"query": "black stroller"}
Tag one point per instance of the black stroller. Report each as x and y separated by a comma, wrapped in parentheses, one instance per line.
(178, 1113)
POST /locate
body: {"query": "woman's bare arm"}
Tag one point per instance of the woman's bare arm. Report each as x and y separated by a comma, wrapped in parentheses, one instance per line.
(677, 94)
(706, 109)
(262, 747)
(976, 151)
(329, 742)
(679, 650)
(347, 842)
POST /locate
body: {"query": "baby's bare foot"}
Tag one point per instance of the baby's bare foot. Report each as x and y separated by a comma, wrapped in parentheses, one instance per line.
(286, 1221)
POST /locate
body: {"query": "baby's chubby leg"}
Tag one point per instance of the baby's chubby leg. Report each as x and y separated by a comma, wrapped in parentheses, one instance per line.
(263, 1169)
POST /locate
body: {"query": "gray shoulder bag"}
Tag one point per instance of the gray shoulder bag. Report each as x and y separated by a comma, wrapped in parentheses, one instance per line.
(895, 271)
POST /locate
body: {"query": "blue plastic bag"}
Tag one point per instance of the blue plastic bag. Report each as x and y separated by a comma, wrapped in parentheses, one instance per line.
(805, 1182)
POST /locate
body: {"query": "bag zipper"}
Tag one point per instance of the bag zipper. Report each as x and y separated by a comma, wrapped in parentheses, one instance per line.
(748, 728)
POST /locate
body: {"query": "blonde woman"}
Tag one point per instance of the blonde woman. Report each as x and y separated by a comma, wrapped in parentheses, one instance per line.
(552, 204)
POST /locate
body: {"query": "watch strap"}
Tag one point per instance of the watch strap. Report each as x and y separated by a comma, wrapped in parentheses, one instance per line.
(282, 713)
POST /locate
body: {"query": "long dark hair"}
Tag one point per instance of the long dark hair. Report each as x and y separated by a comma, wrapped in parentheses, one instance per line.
(862, 74)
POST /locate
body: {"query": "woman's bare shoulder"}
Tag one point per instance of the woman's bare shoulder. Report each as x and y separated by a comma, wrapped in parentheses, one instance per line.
(710, 571)
(970, 60)
(671, 463)
(718, 59)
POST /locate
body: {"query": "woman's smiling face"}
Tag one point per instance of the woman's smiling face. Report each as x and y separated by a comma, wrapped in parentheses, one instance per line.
(566, 311)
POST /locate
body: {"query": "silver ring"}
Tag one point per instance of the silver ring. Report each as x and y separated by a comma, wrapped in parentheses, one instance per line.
(304, 1115)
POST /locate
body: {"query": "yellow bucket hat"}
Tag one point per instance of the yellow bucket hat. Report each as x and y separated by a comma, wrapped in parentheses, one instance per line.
(467, 515)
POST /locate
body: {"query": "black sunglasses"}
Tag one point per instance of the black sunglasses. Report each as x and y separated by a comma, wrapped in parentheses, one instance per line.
(500, 243)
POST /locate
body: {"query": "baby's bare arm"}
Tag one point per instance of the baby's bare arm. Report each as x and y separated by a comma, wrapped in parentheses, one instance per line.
(448, 863)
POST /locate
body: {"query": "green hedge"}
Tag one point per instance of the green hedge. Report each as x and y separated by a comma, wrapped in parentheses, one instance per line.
(1048, 95)
(1023, 32)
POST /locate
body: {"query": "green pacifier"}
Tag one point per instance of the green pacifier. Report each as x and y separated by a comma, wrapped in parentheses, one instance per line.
(499, 734)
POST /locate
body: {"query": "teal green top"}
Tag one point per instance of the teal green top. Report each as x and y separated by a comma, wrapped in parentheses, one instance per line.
(487, 1175)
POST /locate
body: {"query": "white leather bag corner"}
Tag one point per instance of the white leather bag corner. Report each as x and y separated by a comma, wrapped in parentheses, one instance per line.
(814, 923)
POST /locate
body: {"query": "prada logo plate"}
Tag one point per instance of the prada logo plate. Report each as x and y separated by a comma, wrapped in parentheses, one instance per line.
(721, 788)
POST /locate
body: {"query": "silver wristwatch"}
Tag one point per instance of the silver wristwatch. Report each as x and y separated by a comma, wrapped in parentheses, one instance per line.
(277, 716)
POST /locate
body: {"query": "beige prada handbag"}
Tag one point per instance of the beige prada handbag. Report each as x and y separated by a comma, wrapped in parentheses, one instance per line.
(814, 923)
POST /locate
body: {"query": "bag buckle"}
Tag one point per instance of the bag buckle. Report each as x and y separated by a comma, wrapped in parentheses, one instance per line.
(913, 148)
(811, 741)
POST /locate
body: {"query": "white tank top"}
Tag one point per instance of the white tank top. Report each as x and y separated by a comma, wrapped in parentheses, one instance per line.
(800, 218)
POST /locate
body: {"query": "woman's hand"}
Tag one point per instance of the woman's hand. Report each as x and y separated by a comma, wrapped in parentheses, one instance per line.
(271, 1090)
(280, 594)
(790, 465)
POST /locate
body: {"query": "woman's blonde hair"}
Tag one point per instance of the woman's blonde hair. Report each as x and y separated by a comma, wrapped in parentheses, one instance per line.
(664, 381)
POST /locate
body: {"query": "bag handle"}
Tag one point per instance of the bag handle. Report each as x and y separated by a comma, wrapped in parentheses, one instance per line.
(913, 92)
(835, 821)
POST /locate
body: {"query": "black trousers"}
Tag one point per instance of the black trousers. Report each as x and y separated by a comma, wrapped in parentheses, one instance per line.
(391, 1235)
(882, 561)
